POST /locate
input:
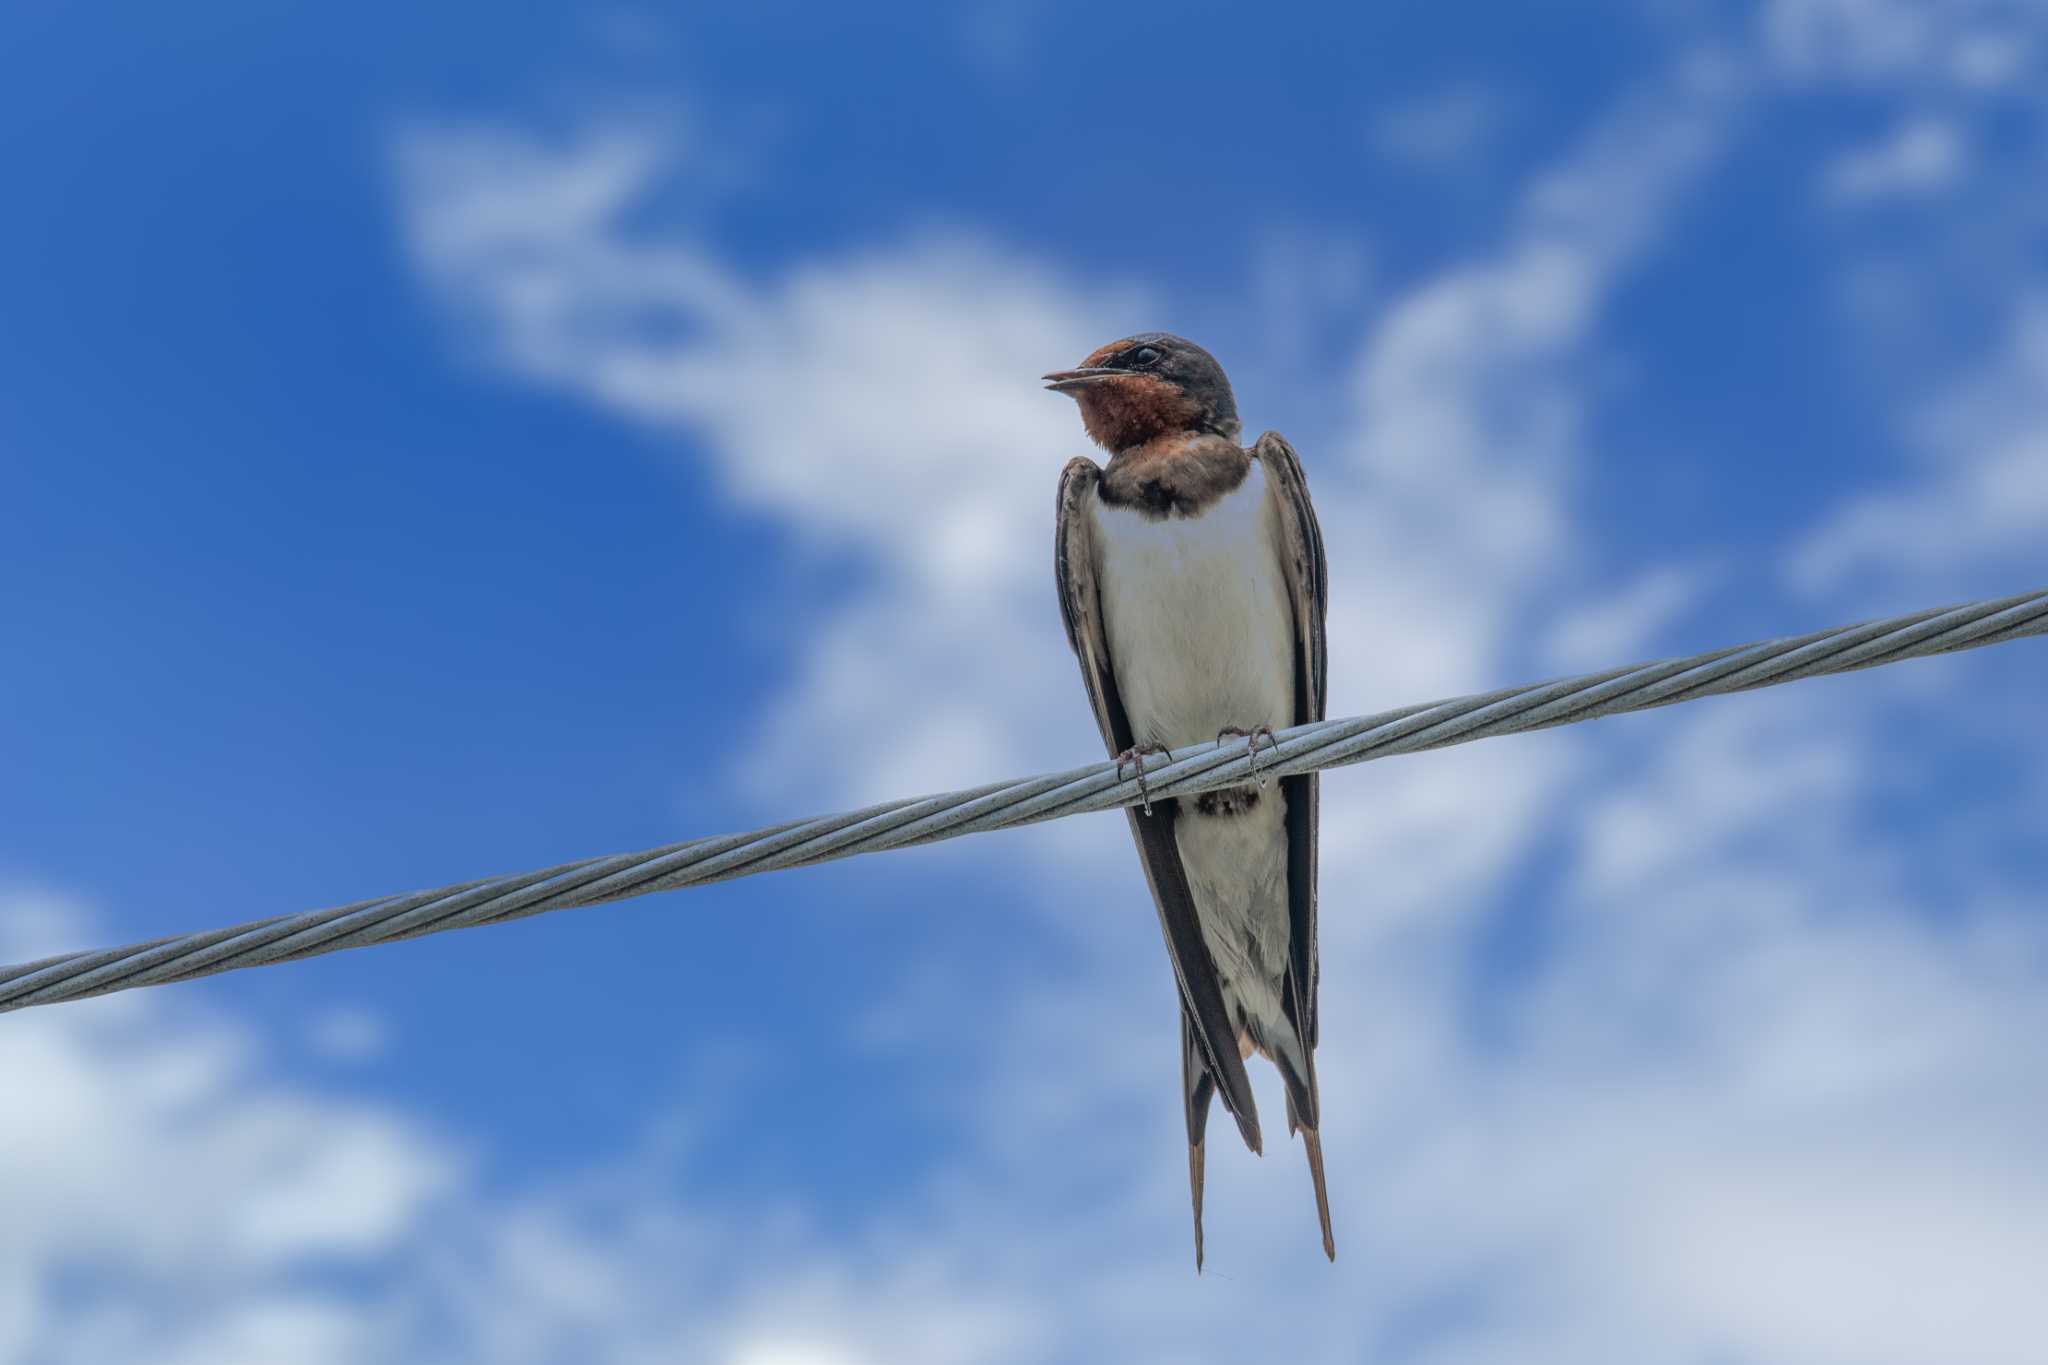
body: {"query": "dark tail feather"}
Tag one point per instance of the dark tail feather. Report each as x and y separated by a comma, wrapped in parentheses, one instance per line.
(1197, 1086)
(1295, 1058)
(1312, 1141)
(1304, 1112)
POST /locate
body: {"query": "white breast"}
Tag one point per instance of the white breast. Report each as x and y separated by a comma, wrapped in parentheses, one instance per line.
(1201, 633)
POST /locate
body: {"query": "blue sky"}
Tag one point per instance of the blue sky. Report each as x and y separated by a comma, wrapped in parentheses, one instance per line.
(446, 440)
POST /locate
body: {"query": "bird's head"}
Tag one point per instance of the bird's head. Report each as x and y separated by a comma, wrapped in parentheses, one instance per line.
(1146, 386)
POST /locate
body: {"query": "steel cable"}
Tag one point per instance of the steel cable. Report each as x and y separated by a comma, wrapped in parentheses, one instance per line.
(1003, 805)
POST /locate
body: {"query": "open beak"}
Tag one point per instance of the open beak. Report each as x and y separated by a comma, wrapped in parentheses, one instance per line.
(1072, 381)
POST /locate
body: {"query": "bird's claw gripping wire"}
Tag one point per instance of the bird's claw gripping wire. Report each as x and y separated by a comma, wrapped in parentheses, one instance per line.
(1251, 738)
(1135, 756)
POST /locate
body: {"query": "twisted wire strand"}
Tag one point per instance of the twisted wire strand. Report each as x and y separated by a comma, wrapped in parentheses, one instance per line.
(1003, 805)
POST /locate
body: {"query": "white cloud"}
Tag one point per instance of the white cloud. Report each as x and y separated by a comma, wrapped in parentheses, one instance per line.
(1833, 1161)
(886, 402)
(1990, 57)
(1921, 157)
(1951, 319)
(348, 1035)
(1859, 37)
(170, 1195)
(1980, 499)
(1970, 44)
(1618, 627)
(156, 1149)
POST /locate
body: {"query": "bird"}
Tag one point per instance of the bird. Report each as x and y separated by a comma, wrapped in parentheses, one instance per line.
(1193, 588)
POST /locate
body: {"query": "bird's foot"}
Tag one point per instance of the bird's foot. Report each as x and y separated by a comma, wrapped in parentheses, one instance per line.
(1251, 738)
(1135, 755)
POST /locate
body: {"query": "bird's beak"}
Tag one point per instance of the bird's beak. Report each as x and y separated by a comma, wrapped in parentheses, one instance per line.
(1072, 381)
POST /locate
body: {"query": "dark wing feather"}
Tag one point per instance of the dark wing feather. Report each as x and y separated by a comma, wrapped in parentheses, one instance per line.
(1208, 1022)
(1308, 582)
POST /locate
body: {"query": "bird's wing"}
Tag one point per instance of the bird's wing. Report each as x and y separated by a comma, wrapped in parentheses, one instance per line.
(1207, 1021)
(1308, 589)
(1308, 583)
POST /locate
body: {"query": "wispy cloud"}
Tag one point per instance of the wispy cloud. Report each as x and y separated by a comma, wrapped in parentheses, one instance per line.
(348, 1035)
(1620, 626)
(1920, 157)
(1952, 325)
(153, 1151)
(1973, 517)
(1974, 44)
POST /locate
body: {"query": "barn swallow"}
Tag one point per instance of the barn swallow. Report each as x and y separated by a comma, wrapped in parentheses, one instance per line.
(1192, 584)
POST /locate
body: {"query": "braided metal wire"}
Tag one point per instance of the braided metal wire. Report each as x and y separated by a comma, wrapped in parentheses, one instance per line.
(1098, 786)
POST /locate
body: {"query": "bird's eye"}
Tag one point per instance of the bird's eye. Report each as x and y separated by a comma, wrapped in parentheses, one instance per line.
(1145, 355)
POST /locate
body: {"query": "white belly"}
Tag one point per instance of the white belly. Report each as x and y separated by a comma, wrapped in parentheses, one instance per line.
(1201, 634)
